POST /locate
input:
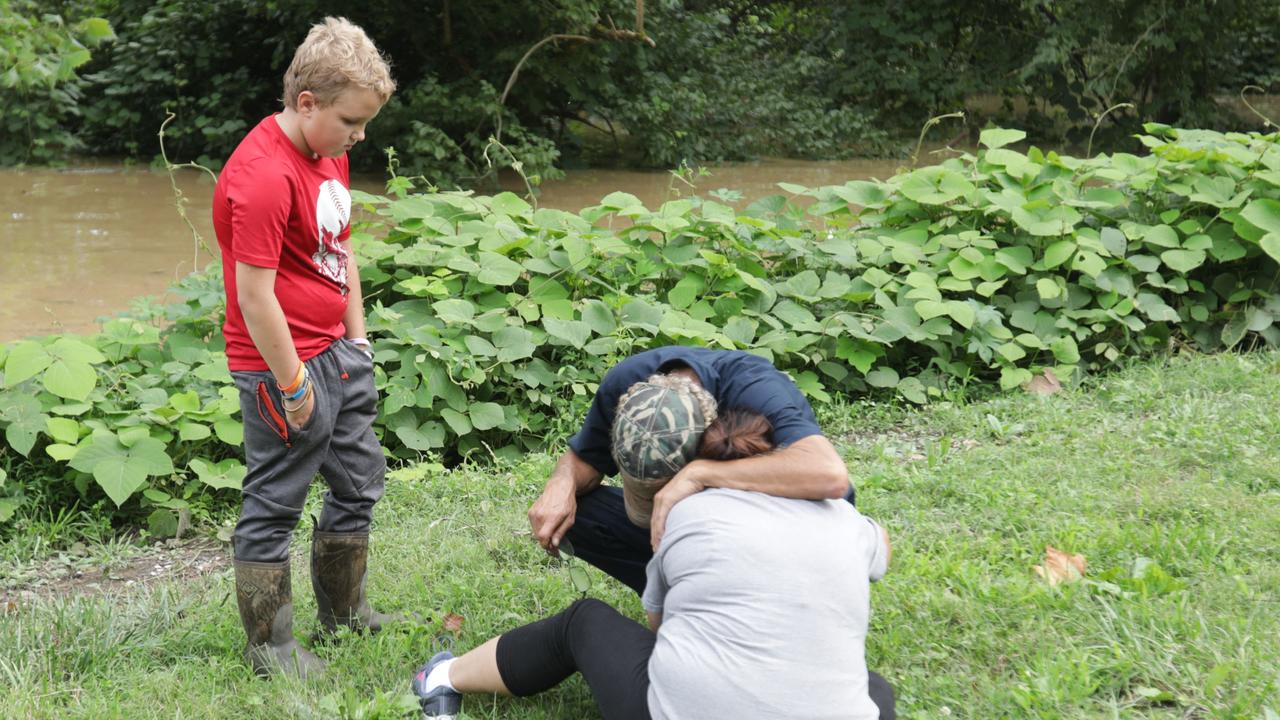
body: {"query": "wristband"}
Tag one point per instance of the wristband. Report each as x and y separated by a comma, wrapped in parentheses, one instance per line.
(306, 391)
(363, 345)
(297, 380)
(302, 390)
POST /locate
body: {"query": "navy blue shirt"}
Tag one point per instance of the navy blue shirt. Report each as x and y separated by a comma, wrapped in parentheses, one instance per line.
(736, 379)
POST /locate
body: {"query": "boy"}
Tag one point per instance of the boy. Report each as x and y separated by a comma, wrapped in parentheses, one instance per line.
(296, 346)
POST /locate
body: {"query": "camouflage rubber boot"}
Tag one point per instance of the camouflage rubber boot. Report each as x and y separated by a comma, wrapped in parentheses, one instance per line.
(264, 596)
(339, 563)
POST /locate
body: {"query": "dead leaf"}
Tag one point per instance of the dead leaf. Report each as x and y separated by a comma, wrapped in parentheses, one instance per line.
(1046, 383)
(1060, 567)
(453, 623)
(10, 607)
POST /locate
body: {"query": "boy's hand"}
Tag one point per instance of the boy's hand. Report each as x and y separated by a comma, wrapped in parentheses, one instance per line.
(297, 419)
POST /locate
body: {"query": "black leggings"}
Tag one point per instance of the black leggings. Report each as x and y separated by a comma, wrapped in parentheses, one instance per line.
(612, 653)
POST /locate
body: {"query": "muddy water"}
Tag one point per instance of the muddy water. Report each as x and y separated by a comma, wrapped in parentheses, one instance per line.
(76, 245)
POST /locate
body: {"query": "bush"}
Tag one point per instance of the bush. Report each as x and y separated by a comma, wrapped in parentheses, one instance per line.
(40, 54)
(493, 320)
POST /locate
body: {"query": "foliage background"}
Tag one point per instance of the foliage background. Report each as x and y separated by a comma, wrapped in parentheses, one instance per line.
(725, 79)
(493, 319)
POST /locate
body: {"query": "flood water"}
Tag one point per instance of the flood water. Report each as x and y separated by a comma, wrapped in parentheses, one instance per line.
(81, 244)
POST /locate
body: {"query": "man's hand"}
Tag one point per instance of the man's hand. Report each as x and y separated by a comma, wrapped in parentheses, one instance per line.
(684, 484)
(552, 515)
(298, 418)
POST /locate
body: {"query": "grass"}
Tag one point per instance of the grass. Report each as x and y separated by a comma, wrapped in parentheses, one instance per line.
(1165, 475)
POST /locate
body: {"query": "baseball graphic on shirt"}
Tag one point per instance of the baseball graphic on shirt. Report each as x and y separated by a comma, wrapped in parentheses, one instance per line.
(333, 213)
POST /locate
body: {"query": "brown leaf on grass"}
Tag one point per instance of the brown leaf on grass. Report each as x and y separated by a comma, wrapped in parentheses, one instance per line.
(1060, 567)
(453, 623)
(10, 607)
(1046, 383)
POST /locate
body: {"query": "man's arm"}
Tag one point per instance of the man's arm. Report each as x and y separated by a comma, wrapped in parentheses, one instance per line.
(807, 469)
(353, 318)
(655, 620)
(256, 296)
(552, 514)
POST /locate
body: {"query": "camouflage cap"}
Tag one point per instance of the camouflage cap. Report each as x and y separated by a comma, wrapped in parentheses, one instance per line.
(656, 431)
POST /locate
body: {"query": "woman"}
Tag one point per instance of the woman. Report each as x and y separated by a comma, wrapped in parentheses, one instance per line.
(758, 606)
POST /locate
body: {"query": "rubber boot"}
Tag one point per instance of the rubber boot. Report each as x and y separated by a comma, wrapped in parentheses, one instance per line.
(264, 596)
(339, 563)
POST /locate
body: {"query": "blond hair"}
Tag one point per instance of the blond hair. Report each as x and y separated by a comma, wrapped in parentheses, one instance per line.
(336, 55)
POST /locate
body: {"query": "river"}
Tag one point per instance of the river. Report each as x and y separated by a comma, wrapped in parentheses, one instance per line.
(80, 244)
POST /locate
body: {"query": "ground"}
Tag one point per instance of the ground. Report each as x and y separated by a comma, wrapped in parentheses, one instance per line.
(1164, 477)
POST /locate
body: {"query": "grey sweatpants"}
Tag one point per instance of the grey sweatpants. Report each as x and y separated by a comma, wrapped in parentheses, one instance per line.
(337, 441)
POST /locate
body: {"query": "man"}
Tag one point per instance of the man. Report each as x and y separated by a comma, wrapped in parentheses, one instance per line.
(575, 506)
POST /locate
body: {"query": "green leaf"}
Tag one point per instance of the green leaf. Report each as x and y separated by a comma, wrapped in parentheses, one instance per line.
(486, 415)
(929, 309)
(1011, 377)
(454, 311)
(962, 312)
(228, 474)
(509, 203)
(1161, 235)
(1048, 288)
(1011, 352)
(26, 360)
(61, 451)
(598, 315)
(1016, 258)
(185, 402)
(496, 269)
(229, 431)
(913, 390)
(999, 137)
(1114, 241)
(687, 291)
(428, 436)
(1183, 261)
(1064, 349)
(96, 30)
(1270, 244)
(1058, 253)
(883, 377)
(460, 424)
(26, 421)
(573, 332)
(121, 471)
(1088, 263)
(935, 185)
(192, 431)
(70, 380)
(63, 430)
(1235, 329)
(513, 343)
(8, 506)
(1264, 213)
(74, 351)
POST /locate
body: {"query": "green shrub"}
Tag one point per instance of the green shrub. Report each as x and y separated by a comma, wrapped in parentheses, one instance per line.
(493, 320)
(39, 55)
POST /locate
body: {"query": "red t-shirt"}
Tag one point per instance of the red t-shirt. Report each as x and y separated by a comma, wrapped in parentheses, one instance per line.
(277, 208)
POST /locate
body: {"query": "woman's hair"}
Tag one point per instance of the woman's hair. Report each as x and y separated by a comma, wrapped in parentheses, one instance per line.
(736, 434)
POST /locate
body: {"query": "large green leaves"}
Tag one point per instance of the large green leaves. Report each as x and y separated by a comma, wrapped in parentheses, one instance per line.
(65, 366)
(935, 185)
(121, 465)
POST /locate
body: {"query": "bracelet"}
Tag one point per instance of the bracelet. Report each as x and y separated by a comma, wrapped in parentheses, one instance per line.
(363, 345)
(299, 392)
(297, 380)
(306, 391)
